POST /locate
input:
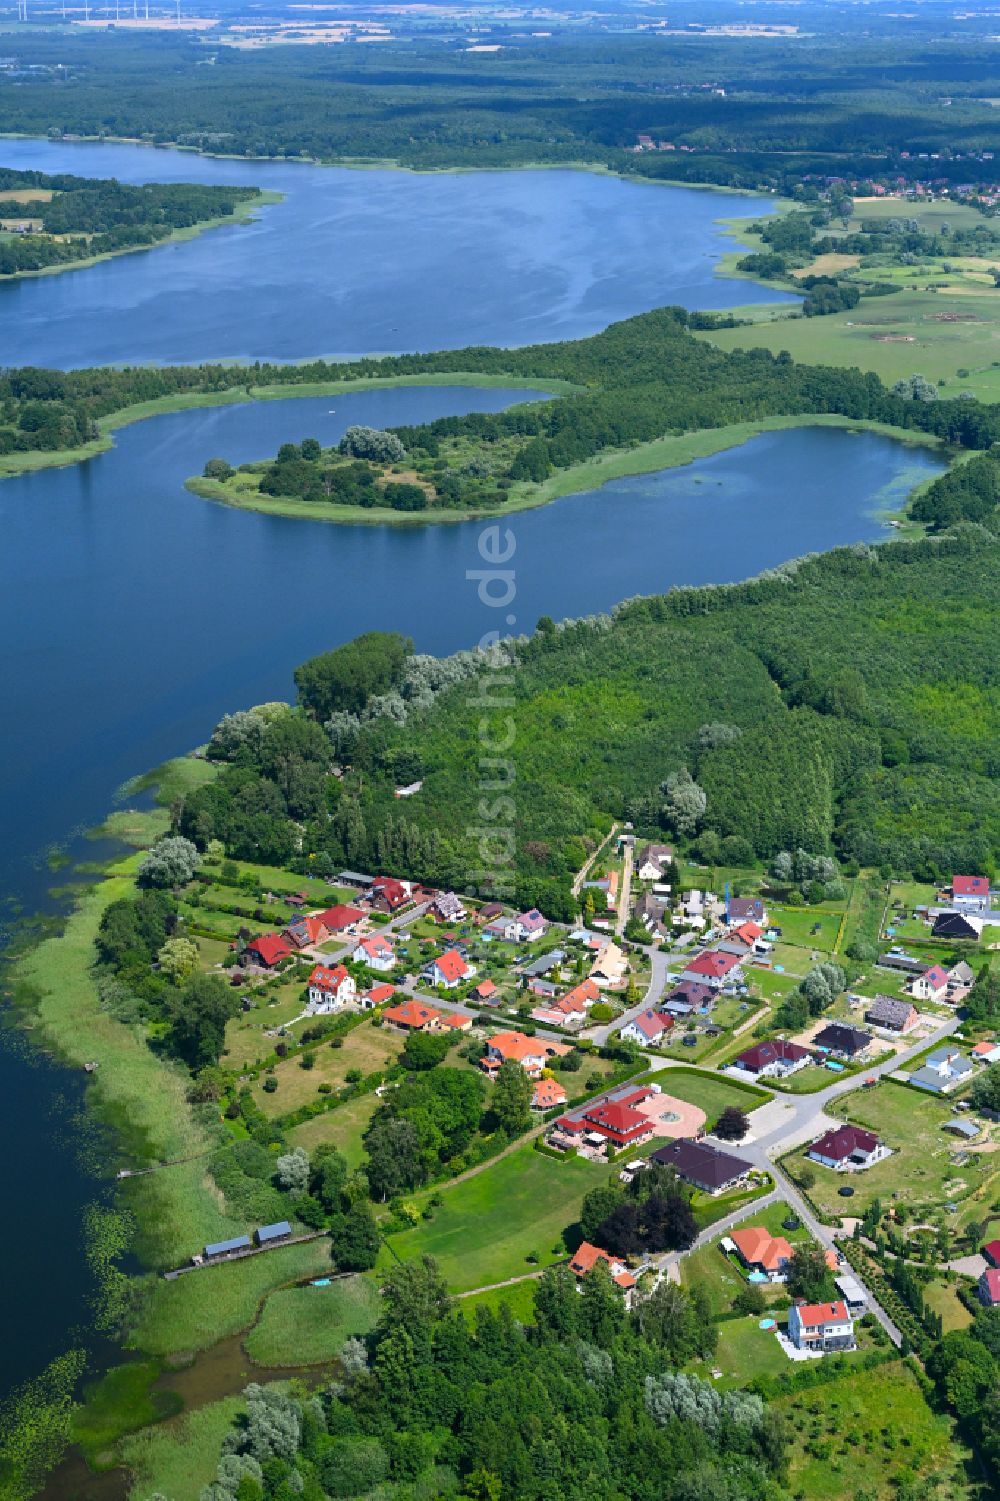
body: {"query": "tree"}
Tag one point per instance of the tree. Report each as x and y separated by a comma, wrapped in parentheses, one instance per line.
(511, 1102)
(822, 985)
(291, 1171)
(196, 1020)
(356, 1240)
(178, 958)
(414, 1298)
(372, 443)
(985, 1093)
(556, 1304)
(808, 1273)
(684, 802)
(669, 1222)
(171, 862)
(394, 1158)
(218, 469)
(597, 1205)
(602, 1307)
(732, 1124)
(345, 679)
(425, 1049)
(670, 1318)
(750, 1300)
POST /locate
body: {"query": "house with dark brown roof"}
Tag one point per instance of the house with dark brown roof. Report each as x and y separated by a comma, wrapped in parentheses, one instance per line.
(892, 1014)
(842, 1041)
(772, 1060)
(847, 1147)
(703, 1166)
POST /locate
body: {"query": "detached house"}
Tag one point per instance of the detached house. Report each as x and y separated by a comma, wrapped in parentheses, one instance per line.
(530, 925)
(548, 1094)
(822, 1327)
(341, 919)
(846, 1147)
(388, 895)
(330, 990)
(891, 1014)
(715, 969)
(376, 952)
(773, 1060)
(932, 985)
(761, 1252)
(446, 907)
(704, 1166)
(449, 970)
(652, 858)
(569, 1010)
(608, 969)
(989, 1288)
(303, 932)
(971, 894)
(413, 1016)
(647, 1029)
(688, 997)
(958, 925)
(842, 1041)
(268, 950)
(944, 1070)
(532, 1053)
(586, 1257)
(741, 909)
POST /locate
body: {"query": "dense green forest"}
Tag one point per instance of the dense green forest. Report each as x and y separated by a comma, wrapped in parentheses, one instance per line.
(89, 216)
(847, 704)
(586, 1401)
(770, 114)
(642, 379)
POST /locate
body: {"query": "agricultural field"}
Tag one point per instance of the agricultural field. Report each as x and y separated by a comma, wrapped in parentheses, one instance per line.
(869, 1432)
(919, 1172)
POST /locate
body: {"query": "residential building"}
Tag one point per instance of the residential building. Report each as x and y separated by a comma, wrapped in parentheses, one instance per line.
(377, 996)
(503, 928)
(845, 1148)
(688, 997)
(943, 1070)
(932, 985)
(760, 1251)
(608, 969)
(531, 925)
(484, 992)
(651, 860)
(457, 1021)
(704, 1166)
(741, 909)
(648, 1028)
(532, 1053)
(449, 970)
(615, 1121)
(649, 911)
(488, 912)
(267, 950)
(991, 1253)
(569, 1010)
(986, 1052)
(821, 1326)
(585, 1258)
(413, 1016)
(542, 966)
(330, 989)
(388, 895)
(302, 932)
(971, 894)
(714, 969)
(548, 1094)
(773, 1060)
(989, 1288)
(958, 925)
(375, 951)
(341, 919)
(891, 1014)
(843, 1041)
(961, 977)
(446, 907)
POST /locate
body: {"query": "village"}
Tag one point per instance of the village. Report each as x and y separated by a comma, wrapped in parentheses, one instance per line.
(655, 1038)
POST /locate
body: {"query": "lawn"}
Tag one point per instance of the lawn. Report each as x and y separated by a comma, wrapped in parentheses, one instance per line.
(343, 1127)
(310, 1325)
(919, 1171)
(203, 1307)
(943, 1298)
(179, 1459)
(797, 924)
(709, 1092)
(519, 1298)
(488, 1225)
(744, 1351)
(868, 1432)
(365, 1047)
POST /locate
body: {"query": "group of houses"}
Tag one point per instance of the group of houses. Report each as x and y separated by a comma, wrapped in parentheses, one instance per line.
(837, 1042)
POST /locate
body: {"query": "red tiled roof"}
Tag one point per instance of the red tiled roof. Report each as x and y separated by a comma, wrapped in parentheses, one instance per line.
(992, 1252)
(452, 965)
(337, 918)
(328, 979)
(484, 988)
(617, 1117)
(411, 1014)
(759, 1247)
(936, 976)
(547, 1094)
(380, 993)
(970, 886)
(813, 1315)
(770, 1052)
(270, 947)
(651, 1023)
(375, 945)
(712, 964)
(992, 1279)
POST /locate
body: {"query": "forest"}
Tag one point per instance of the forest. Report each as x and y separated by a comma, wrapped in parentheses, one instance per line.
(641, 379)
(785, 110)
(88, 216)
(585, 1401)
(845, 704)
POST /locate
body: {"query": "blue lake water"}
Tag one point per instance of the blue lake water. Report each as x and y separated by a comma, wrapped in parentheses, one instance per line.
(355, 262)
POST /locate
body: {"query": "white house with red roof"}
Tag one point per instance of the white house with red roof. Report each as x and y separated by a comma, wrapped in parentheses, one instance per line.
(341, 919)
(648, 1029)
(772, 1060)
(330, 990)
(377, 996)
(821, 1327)
(586, 1257)
(846, 1148)
(376, 951)
(532, 1053)
(714, 969)
(569, 1010)
(971, 894)
(531, 925)
(449, 970)
(989, 1287)
(388, 895)
(932, 985)
(548, 1094)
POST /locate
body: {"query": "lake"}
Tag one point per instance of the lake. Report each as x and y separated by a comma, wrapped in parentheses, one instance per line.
(372, 262)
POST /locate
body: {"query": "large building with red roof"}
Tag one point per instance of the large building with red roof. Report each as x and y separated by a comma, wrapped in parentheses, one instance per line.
(330, 989)
(341, 919)
(714, 969)
(268, 950)
(772, 1060)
